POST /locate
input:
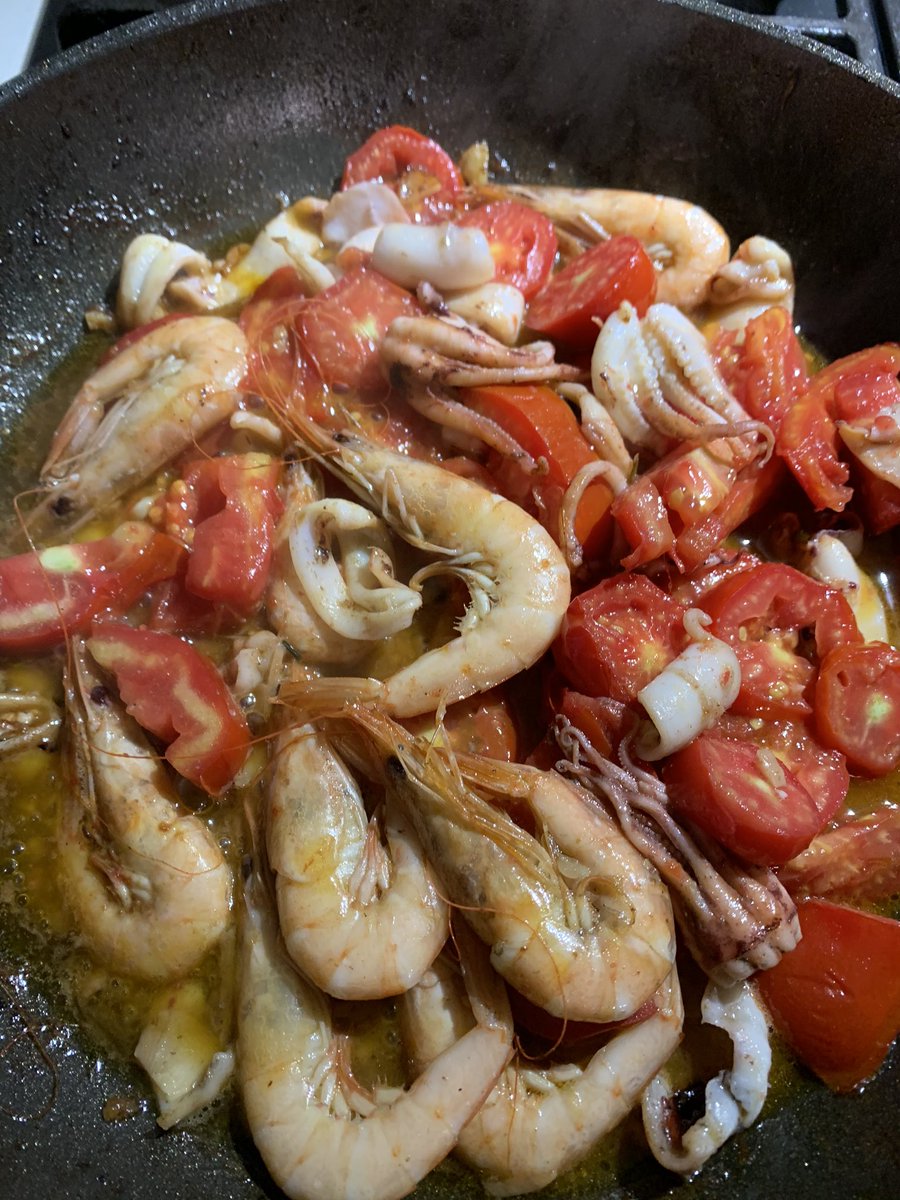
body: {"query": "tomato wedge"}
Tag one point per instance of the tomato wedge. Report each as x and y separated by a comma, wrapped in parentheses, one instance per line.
(765, 812)
(176, 693)
(641, 516)
(236, 508)
(47, 594)
(767, 372)
(761, 613)
(391, 153)
(858, 705)
(593, 285)
(836, 997)
(522, 241)
(545, 427)
(618, 636)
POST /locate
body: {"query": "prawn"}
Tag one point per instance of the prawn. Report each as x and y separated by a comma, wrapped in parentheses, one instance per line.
(360, 916)
(139, 411)
(540, 1121)
(146, 881)
(688, 246)
(516, 575)
(321, 1135)
(576, 920)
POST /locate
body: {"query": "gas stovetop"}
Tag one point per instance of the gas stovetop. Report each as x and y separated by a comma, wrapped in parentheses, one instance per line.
(867, 30)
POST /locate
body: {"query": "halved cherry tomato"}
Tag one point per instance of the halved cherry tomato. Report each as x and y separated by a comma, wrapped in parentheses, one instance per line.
(618, 636)
(859, 860)
(763, 811)
(391, 153)
(761, 614)
(836, 997)
(47, 594)
(858, 705)
(545, 427)
(808, 438)
(593, 285)
(641, 515)
(767, 372)
(522, 241)
(341, 328)
(176, 693)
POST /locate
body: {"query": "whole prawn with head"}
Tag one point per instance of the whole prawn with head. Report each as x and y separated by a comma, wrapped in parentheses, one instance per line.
(137, 412)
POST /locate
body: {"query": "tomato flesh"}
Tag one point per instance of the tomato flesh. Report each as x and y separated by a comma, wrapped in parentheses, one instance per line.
(522, 241)
(618, 636)
(836, 997)
(176, 693)
(767, 372)
(593, 285)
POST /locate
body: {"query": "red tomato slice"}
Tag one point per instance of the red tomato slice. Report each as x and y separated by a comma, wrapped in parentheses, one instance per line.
(858, 705)
(859, 860)
(47, 594)
(761, 614)
(545, 427)
(878, 500)
(391, 153)
(768, 371)
(760, 811)
(593, 285)
(618, 636)
(176, 693)
(522, 241)
(836, 998)
(604, 722)
(341, 329)
(231, 549)
(641, 516)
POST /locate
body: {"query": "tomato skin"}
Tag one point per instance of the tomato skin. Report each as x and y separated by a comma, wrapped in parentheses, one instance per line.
(593, 285)
(522, 241)
(545, 427)
(858, 705)
(618, 636)
(176, 693)
(47, 594)
(720, 783)
(760, 613)
(483, 724)
(391, 152)
(836, 997)
(604, 722)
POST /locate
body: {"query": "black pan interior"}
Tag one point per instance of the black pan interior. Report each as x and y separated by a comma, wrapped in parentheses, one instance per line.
(200, 129)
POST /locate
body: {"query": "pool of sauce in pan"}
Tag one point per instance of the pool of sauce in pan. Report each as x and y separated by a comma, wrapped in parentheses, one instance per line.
(35, 923)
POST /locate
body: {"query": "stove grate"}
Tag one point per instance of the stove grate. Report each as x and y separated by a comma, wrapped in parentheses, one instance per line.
(867, 30)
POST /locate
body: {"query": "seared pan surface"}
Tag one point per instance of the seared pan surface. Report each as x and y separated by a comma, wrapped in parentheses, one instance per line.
(198, 131)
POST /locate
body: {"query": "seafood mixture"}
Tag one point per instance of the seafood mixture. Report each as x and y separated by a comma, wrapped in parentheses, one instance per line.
(447, 627)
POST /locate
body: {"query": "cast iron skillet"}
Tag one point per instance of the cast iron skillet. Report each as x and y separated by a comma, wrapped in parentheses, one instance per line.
(196, 123)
